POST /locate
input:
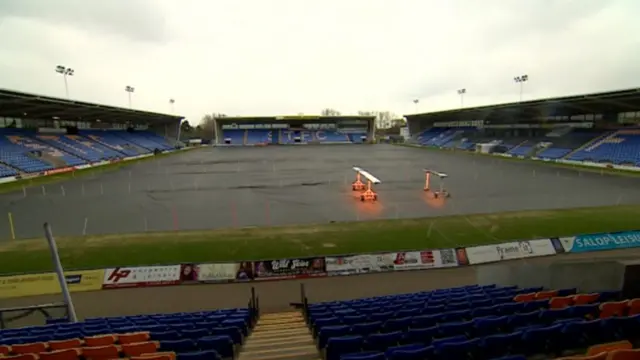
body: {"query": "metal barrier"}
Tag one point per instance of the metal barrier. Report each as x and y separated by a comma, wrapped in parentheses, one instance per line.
(28, 310)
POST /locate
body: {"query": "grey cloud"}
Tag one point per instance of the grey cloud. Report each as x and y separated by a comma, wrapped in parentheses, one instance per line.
(514, 21)
(137, 20)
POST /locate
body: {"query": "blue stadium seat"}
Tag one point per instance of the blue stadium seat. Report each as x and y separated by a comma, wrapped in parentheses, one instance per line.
(199, 355)
(410, 352)
(223, 345)
(338, 346)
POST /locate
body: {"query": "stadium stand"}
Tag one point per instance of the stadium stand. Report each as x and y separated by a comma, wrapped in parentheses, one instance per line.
(620, 147)
(210, 335)
(42, 142)
(463, 323)
(472, 322)
(599, 127)
(295, 130)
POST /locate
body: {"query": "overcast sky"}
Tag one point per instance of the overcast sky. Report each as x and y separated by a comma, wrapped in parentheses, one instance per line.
(268, 57)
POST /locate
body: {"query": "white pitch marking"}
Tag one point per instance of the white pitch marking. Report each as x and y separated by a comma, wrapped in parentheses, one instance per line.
(84, 229)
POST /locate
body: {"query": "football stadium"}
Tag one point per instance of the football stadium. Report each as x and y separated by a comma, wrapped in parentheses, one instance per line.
(504, 231)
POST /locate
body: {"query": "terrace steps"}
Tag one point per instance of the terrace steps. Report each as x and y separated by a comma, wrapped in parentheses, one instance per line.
(280, 336)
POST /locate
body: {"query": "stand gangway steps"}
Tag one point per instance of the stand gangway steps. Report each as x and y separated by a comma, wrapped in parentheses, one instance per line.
(280, 336)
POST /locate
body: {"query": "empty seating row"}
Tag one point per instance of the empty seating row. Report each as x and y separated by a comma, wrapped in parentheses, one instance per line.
(262, 136)
(7, 171)
(32, 152)
(620, 147)
(211, 332)
(74, 349)
(379, 324)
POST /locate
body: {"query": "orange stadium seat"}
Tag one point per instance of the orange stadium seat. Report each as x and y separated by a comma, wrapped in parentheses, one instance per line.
(560, 302)
(34, 348)
(65, 344)
(583, 299)
(605, 348)
(630, 354)
(614, 308)
(100, 340)
(22, 357)
(634, 306)
(65, 354)
(133, 338)
(524, 297)
(545, 294)
(137, 349)
(107, 352)
(5, 350)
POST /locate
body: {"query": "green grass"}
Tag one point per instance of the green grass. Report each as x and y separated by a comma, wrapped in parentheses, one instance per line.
(576, 167)
(314, 240)
(42, 180)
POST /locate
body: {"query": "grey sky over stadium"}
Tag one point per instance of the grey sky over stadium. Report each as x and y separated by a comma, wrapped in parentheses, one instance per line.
(259, 57)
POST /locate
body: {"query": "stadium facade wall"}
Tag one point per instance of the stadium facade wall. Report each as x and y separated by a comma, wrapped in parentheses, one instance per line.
(588, 276)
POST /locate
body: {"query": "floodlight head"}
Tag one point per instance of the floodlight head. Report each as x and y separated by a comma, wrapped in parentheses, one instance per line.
(171, 101)
(525, 77)
(60, 69)
(69, 72)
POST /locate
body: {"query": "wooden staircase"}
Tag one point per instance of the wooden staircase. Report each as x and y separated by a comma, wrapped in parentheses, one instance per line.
(280, 336)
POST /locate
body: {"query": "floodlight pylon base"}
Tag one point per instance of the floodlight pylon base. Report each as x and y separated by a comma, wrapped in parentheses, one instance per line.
(368, 195)
(358, 185)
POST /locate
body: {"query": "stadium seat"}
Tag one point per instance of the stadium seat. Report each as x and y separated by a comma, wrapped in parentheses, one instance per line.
(410, 352)
(200, 355)
(223, 345)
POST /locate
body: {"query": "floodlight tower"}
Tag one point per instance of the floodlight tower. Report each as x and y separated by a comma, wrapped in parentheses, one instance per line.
(65, 71)
(521, 80)
(461, 92)
(416, 102)
(171, 102)
(130, 90)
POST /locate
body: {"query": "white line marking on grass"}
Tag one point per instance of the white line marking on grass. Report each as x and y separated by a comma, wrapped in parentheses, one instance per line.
(485, 233)
(430, 228)
(84, 229)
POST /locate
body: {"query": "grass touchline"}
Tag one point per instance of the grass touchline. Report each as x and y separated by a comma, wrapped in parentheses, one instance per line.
(230, 245)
